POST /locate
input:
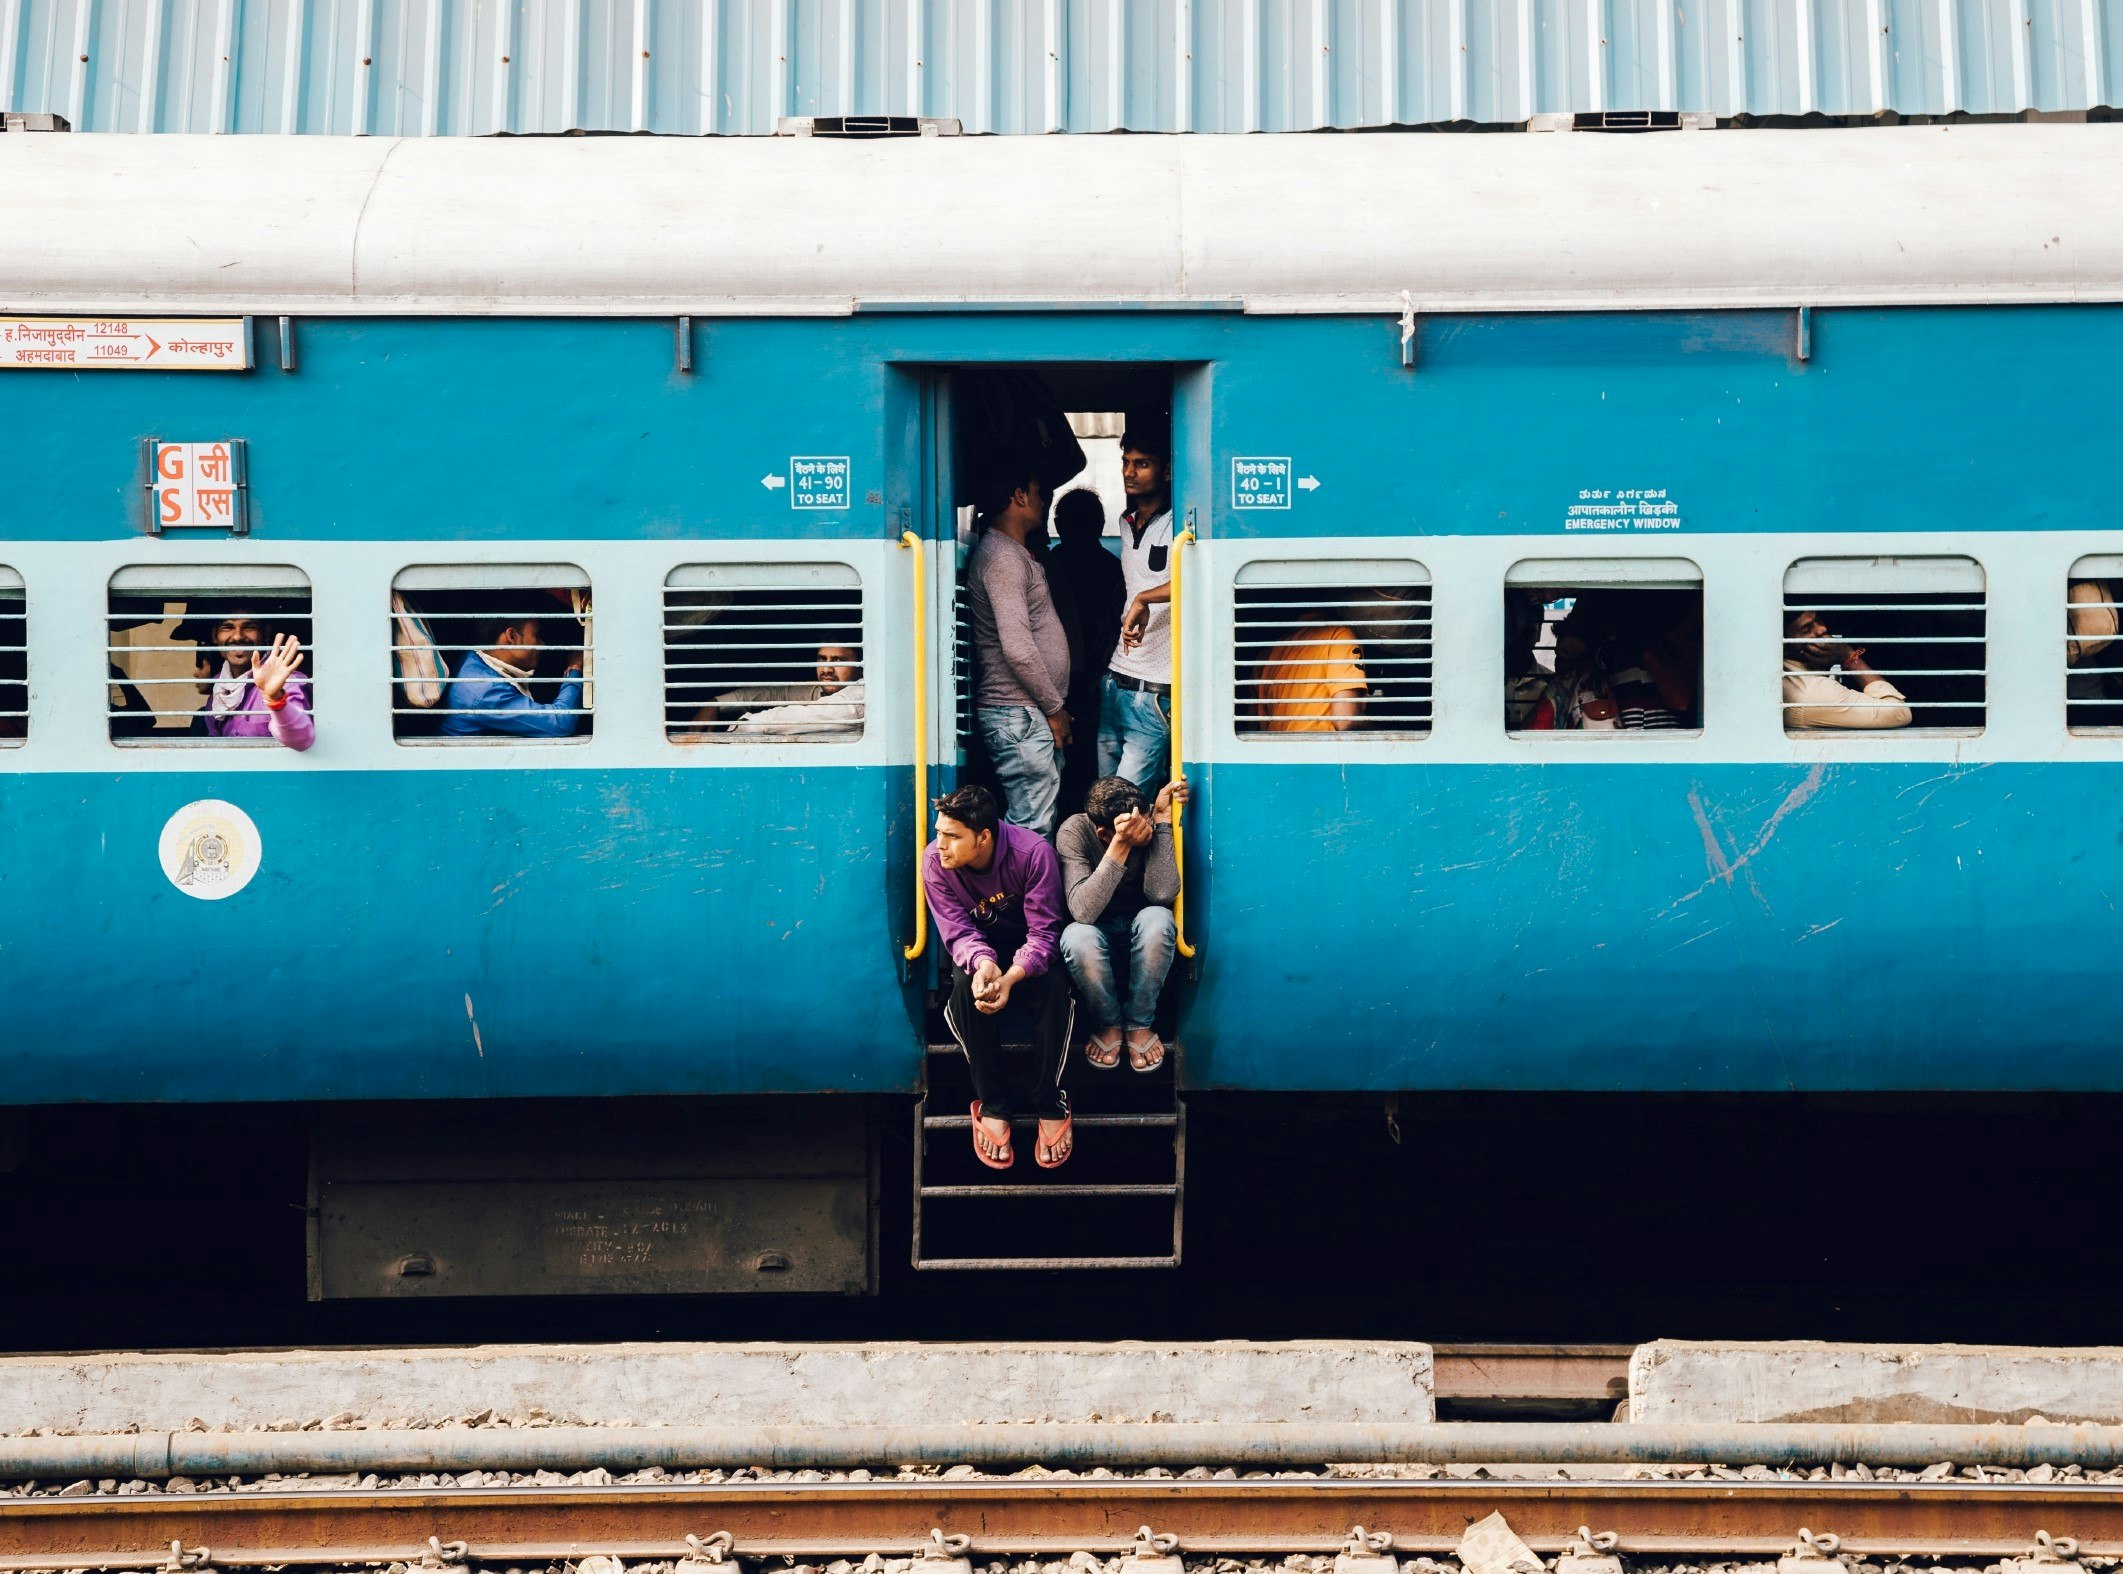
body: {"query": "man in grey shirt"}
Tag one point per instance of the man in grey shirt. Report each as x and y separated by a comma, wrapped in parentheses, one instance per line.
(1120, 879)
(1021, 652)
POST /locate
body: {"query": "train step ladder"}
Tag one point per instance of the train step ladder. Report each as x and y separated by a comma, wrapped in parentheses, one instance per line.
(1118, 1202)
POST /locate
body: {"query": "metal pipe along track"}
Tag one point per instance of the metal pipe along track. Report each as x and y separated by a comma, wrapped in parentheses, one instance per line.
(1076, 1445)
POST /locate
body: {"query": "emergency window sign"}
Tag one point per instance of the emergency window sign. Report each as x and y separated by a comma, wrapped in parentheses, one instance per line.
(198, 486)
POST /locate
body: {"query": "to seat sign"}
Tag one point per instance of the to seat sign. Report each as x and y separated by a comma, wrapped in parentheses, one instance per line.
(1260, 482)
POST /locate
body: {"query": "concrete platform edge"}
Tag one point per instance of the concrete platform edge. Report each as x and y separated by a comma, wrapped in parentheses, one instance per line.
(1689, 1382)
(657, 1384)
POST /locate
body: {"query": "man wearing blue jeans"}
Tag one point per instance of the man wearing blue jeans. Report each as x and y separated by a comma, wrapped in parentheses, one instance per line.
(1021, 651)
(1135, 711)
(1120, 879)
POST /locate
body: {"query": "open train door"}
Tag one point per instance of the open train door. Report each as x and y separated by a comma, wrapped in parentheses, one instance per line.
(1121, 1204)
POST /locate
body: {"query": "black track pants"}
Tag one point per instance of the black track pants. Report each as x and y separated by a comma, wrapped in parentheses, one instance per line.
(1052, 1010)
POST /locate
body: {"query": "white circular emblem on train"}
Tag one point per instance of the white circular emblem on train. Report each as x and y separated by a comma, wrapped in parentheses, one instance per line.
(210, 849)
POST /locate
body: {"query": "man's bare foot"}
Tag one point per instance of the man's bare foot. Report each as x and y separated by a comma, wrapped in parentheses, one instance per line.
(1102, 1049)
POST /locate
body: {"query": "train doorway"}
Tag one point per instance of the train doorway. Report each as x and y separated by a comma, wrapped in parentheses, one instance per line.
(1034, 453)
(1061, 422)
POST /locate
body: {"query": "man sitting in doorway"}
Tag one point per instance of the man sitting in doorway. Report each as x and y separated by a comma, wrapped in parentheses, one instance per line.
(1815, 697)
(995, 891)
(257, 691)
(492, 690)
(1121, 878)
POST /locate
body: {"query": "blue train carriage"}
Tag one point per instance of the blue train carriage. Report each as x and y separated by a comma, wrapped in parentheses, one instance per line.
(628, 1007)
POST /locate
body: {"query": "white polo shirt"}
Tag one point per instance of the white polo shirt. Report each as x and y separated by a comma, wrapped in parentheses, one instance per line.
(1145, 562)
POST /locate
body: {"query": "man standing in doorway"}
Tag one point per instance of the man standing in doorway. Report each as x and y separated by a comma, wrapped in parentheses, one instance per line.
(1022, 650)
(1134, 719)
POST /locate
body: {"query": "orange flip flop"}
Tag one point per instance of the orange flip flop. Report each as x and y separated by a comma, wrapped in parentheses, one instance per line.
(1004, 1155)
(1061, 1147)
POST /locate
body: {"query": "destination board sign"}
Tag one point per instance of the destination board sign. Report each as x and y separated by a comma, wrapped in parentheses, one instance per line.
(153, 344)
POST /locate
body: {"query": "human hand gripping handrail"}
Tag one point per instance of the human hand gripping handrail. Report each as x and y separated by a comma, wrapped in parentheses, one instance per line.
(909, 539)
(1180, 543)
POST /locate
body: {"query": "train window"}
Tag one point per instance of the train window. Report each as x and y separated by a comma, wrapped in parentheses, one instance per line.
(180, 647)
(763, 653)
(1603, 645)
(2093, 656)
(1332, 645)
(14, 660)
(1878, 644)
(492, 653)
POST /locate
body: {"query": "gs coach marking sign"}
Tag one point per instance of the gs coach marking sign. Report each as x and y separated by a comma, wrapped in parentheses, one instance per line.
(1260, 483)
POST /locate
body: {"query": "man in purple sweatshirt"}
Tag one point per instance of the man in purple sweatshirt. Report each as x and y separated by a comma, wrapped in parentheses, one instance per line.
(996, 892)
(258, 692)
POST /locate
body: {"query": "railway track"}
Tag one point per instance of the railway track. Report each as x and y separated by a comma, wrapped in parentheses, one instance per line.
(1663, 1521)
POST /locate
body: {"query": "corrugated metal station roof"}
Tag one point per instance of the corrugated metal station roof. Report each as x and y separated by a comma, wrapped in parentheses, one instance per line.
(476, 67)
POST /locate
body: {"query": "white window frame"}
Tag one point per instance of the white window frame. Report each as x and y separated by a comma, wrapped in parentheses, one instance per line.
(190, 582)
(799, 577)
(1327, 573)
(1609, 573)
(14, 594)
(1883, 574)
(2109, 660)
(530, 579)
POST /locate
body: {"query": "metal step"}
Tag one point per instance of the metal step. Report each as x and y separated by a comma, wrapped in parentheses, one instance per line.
(1057, 1189)
(969, 1264)
(965, 1122)
(1131, 1225)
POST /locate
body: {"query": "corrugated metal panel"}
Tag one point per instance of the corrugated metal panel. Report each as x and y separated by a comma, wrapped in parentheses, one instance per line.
(472, 67)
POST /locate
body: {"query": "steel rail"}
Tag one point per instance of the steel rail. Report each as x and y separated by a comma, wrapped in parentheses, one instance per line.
(1010, 1517)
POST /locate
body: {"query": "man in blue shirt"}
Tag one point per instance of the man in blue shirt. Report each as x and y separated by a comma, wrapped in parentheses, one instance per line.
(492, 690)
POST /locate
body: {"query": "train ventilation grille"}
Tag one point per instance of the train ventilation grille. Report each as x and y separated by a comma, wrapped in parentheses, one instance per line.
(867, 126)
(1624, 120)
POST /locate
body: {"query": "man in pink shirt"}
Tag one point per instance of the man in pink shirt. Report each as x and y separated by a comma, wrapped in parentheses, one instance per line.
(258, 691)
(995, 891)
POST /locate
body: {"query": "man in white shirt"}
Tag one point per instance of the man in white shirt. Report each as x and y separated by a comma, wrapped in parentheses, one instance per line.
(1134, 718)
(1814, 696)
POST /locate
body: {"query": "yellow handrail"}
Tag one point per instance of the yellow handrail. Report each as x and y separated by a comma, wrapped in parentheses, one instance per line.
(908, 538)
(1179, 840)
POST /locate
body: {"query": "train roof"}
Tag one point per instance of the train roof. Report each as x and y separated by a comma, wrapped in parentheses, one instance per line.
(650, 226)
